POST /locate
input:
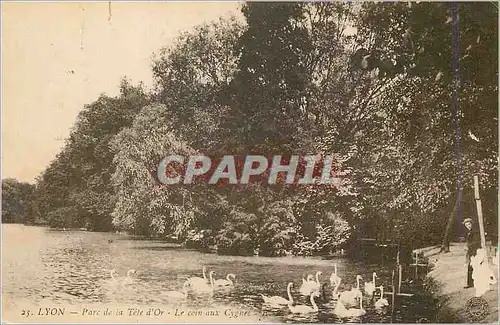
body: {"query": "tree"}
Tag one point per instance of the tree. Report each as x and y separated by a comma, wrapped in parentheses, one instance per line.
(16, 201)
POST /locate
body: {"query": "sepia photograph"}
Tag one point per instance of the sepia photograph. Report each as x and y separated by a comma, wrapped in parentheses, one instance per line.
(249, 162)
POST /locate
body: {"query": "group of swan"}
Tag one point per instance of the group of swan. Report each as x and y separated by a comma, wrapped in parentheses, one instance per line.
(311, 287)
(122, 280)
(197, 284)
(209, 284)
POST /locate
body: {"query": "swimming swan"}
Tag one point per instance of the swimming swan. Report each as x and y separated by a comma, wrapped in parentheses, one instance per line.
(304, 309)
(197, 280)
(370, 286)
(335, 292)
(277, 300)
(225, 282)
(203, 287)
(334, 278)
(382, 302)
(350, 297)
(311, 286)
(305, 288)
(342, 312)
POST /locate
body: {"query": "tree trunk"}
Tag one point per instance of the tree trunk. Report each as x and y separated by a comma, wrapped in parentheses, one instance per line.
(445, 245)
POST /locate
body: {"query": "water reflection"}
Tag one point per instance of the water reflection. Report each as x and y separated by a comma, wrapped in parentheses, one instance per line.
(75, 267)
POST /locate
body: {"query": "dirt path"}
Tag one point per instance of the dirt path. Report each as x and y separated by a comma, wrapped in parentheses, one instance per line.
(447, 280)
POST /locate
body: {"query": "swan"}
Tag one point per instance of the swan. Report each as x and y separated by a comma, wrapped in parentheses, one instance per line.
(370, 286)
(382, 302)
(225, 282)
(112, 274)
(177, 294)
(356, 290)
(335, 293)
(198, 280)
(128, 279)
(304, 309)
(310, 277)
(305, 287)
(311, 286)
(350, 297)
(277, 300)
(203, 286)
(341, 311)
(334, 277)
(315, 286)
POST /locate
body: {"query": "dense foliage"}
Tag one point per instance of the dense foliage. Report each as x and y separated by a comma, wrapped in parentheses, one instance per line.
(16, 201)
(403, 94)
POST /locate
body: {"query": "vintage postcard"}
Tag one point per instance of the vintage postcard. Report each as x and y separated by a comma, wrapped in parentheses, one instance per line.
(249, 162)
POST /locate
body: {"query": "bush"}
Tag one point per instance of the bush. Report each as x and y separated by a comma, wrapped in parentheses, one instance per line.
(330, 236)
(237, 237)
(199, 239)
(66, 217)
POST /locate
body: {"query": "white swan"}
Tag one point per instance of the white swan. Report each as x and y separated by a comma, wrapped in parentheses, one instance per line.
(304, 309)
(342, 312)
(350, 297)
(382, 302)
(356, 289)
(310, 277)
(335, 292)
(128, 279)
(277, 300)
(311, 286)
(177, 294)
(315, 286)
(225, 282)
(305, 287)
(370, 286)
(203, 287)
(197, 280)
(334, 278)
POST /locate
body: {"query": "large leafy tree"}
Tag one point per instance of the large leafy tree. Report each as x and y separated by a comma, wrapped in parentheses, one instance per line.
(17, 200)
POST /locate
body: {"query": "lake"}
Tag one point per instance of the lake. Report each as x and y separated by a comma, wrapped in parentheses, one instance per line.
(46, 268)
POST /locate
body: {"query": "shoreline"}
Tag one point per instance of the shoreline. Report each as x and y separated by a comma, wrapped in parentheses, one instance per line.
(446, 281)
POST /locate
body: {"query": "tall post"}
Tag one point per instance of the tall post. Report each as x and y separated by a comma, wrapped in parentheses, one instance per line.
(393, 295)
(479, 211)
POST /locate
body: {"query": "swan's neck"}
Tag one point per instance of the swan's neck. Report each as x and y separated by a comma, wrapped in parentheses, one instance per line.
(381, 292)
(313, 303)
(112, 275)
(357, 283)
(336, 287)
(204, 274)
(212, 280)
(373, 278)
(335, 269)
(289, 292)
(317, 277)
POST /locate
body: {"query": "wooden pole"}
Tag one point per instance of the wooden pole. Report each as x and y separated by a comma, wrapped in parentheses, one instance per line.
(393, 295)
(416, 266)
(479, 211)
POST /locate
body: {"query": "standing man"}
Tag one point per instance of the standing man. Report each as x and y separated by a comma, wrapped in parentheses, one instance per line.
(471, 248)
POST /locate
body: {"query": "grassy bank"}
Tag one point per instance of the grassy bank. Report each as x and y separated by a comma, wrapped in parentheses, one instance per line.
(446, 282)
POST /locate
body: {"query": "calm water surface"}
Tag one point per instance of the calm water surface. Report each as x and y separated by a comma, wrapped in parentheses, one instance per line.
(73, 267)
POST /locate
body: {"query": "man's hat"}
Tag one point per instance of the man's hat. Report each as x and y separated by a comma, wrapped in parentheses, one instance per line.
(467, 220)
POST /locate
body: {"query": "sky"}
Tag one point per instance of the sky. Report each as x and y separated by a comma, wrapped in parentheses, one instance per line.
(57, 57)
